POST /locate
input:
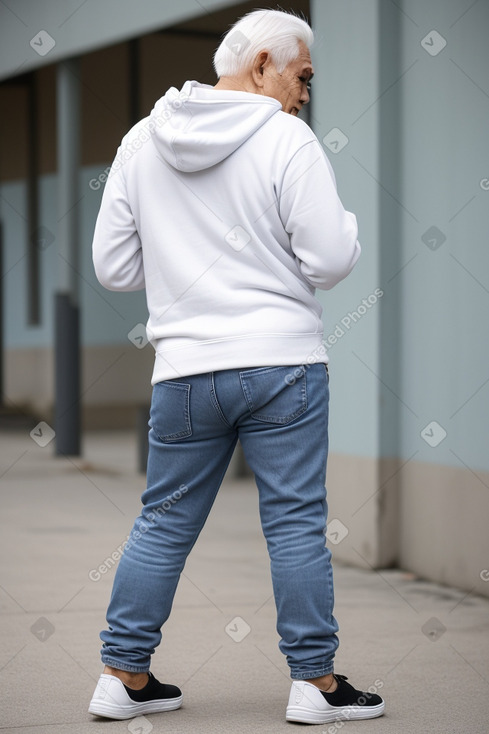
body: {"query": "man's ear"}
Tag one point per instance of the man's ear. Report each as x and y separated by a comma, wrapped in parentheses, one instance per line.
(261, 61)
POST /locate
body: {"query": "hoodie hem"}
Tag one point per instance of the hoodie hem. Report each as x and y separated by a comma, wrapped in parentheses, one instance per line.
(247, 352)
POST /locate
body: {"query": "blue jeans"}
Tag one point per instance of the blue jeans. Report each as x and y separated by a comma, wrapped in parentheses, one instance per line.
(280, 415)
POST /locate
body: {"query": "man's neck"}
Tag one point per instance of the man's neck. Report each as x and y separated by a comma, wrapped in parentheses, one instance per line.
(237, 84)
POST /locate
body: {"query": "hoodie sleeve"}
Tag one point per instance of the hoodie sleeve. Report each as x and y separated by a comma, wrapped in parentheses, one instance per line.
(323, 235)
(117, 253)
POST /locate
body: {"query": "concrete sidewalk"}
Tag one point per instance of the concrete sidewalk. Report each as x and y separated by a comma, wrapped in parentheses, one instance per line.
(425, 646)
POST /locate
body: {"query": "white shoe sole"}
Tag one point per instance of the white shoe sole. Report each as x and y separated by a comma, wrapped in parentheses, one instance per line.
(129, 711)
(305, 715)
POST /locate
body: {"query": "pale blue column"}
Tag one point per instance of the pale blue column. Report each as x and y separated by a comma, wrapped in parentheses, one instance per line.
(356, 59)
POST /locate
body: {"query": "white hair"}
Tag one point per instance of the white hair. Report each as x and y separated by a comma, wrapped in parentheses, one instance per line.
(275, 31)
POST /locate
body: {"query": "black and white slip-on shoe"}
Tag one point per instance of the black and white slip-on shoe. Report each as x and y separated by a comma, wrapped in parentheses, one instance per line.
(309, 705)
(114, 700)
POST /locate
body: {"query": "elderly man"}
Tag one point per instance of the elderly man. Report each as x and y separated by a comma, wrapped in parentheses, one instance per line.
(223, 206)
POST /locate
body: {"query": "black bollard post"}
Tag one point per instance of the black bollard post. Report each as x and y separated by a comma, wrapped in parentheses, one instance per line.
(67, 377)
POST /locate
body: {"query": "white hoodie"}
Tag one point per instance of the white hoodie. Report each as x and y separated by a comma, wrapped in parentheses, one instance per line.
(225, 209)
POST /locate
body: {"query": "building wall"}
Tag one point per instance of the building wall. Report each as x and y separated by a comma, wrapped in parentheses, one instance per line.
(409, 469)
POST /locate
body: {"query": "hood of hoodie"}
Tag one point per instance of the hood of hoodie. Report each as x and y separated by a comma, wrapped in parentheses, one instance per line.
(199, 126)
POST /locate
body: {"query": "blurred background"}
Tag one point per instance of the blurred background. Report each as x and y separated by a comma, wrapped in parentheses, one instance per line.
(400, 102)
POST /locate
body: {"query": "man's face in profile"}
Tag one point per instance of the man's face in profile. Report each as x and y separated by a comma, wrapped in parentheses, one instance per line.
(290, 87)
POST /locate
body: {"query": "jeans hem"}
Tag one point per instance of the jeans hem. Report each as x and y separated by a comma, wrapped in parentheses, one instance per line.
(308, 674)
(123, 666)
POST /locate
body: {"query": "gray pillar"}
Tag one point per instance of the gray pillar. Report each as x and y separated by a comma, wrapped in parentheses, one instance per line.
(67, 336)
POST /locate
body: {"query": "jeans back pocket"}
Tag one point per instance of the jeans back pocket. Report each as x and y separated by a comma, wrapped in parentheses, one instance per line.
(275, 394)
(170, 411)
